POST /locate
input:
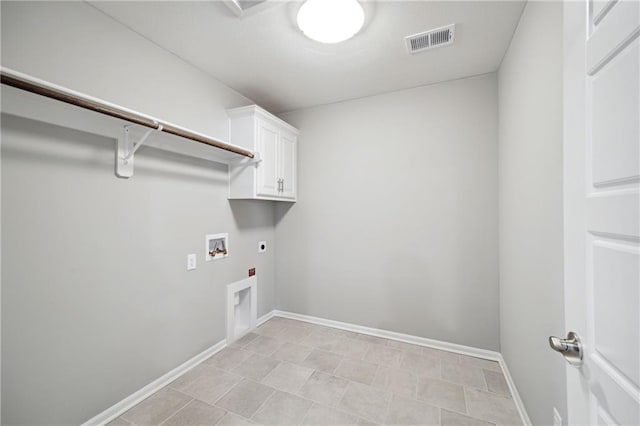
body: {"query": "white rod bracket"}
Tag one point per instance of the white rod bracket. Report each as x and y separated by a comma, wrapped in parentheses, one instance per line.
(126, 149)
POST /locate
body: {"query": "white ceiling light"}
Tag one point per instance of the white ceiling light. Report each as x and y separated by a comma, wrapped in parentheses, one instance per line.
(330, 21)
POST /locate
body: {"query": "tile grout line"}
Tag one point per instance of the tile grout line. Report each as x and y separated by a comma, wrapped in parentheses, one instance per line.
(344, 392)
(386, 411)
(232, 413)
(230, 389)
(263, 402)
(484, 379)
(179, 409)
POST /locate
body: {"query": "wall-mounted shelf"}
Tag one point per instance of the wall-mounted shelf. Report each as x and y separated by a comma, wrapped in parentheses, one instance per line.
(28, 97)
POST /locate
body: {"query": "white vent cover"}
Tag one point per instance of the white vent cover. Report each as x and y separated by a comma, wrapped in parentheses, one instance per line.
(431, 39)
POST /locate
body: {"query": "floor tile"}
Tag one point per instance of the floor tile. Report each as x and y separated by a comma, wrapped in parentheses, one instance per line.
(449, 418)
(263, 345)
(437, 353)
(357, 370)
(256, 368)
(322, 360)
(246, 339)
(351, 348)
(210, 387)
(404, 346)
(365, 401)
(420, 365)
(324, 388)
(270, 329)
(496, 382)
(320, 415)
(157, 408)
(245, 398)
(491, 407)
(231, 419)
(181, 383)
(396, 381)
(406, 411)
(288, 377)
(195, 413)
(320, 339)
(479, 362)
(365, 422)
(343, 333)
(292, 352)
(384, 355)
(310, 327)
(282, 409)
(467, 375)
(292, 334)
(442, 394)
(372, 339)
(229, 358)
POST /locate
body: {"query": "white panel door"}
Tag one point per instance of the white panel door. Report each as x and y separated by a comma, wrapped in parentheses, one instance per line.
(268, 168)
(288, 146)
(602, 208)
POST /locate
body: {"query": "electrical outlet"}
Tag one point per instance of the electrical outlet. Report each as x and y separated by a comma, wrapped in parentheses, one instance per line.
(557, 419)
(191, 262)
(262, 246)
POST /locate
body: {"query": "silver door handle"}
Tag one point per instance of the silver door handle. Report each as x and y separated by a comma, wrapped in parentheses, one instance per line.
(279, 185)
(570, 348)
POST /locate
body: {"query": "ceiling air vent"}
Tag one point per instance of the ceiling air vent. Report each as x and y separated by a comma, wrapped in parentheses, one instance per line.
(246, 7)
(430, 39)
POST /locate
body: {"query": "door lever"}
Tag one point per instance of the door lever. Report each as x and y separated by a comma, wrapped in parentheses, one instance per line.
(570, 348)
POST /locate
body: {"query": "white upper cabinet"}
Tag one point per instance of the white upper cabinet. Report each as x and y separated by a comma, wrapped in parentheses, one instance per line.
(273, 178)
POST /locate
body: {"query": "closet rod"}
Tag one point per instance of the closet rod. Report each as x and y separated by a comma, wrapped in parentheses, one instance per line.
(42, 88)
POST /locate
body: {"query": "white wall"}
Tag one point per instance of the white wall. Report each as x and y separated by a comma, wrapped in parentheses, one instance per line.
(531, 284)
(396, 221)
(96, 299)
(396, 224)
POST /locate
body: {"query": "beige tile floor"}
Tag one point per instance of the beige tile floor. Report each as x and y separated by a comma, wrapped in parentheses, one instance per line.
(294, 373)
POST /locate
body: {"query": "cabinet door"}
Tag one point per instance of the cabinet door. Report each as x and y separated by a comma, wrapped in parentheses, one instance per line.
(268, 169)
(288, 167)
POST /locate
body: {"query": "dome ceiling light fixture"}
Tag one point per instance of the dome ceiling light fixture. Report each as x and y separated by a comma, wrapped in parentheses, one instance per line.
(330, 21)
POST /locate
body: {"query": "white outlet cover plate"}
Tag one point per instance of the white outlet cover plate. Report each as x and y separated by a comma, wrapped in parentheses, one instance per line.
(260, 245)
(191, 262)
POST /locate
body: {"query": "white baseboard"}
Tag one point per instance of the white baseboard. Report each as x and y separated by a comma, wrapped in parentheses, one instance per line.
(421, 341)
(514, 392)
(135, 398)
(266, 317)
(415, 340)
